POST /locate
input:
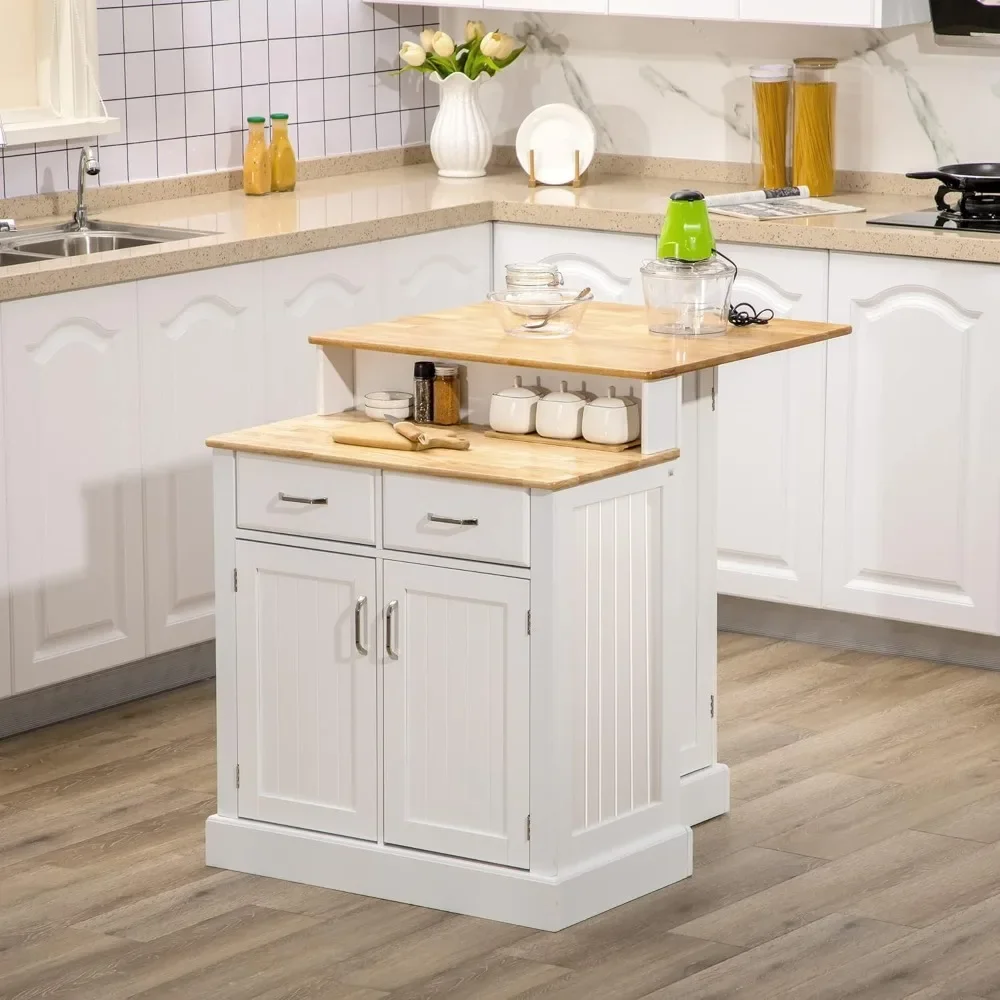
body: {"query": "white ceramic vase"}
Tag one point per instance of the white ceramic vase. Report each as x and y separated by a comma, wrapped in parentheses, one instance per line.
(461, 141)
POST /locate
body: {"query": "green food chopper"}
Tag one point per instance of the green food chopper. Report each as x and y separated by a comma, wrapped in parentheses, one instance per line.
(688, 287)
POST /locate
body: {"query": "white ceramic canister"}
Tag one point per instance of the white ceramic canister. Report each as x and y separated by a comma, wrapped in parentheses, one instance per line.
(611, 419)
(560, 414)
(512, 410)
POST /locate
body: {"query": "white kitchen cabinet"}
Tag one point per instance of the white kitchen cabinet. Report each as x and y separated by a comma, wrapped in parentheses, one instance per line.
(708, 10)
(440, 270)
(6, 674)
(607, 263)
(308, 294)
(912, 530)
(201, 348)
(771, 427)
(74, 497)
(306, 689)
(845, 13)
(456, 712)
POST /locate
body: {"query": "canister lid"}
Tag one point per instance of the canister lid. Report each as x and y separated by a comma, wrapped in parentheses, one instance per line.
(423, 369)
(667, 267)
(446, 371)
(816, 62)
(773, 72)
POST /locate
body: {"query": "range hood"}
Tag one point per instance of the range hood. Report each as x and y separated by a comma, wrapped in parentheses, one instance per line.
(969, 21)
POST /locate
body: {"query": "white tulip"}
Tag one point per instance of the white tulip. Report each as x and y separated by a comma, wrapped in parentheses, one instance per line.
(507, 44)
(490, 45)
(474, 30)
(412, 54)
(427, 39)
(443, 44)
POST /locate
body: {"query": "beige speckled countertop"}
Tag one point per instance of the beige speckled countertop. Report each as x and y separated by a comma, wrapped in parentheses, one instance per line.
(400, 201)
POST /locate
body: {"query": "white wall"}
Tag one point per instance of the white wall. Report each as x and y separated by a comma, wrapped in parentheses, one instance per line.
(680, 88)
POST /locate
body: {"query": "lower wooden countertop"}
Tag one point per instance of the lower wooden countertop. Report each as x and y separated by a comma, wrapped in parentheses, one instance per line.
(488, 460)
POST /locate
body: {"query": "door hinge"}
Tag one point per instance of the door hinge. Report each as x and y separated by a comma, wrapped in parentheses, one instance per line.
(529, 623)
(236, 580)
(237, 775)
(711, 707)
(713, 397)
(527, 827)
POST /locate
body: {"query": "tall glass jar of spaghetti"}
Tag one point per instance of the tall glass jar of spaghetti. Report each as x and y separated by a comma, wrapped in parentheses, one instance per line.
(815, 125)
(772, 92)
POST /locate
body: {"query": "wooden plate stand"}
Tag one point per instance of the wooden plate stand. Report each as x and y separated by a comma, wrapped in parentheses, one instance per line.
(533, 181)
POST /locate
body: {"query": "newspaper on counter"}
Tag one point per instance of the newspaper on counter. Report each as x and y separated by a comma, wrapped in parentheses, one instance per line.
(770, 207)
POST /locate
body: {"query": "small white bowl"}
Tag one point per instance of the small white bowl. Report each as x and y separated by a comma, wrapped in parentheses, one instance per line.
(381, 405)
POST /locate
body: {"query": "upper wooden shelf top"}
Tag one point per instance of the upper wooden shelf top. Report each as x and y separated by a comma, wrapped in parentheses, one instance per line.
(612, 340)
(488, 460)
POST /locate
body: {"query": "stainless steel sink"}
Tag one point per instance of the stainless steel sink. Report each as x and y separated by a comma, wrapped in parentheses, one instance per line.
(98, 237)
(8, 258)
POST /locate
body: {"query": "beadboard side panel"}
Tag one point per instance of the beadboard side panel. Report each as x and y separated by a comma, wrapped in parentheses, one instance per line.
(612, 619)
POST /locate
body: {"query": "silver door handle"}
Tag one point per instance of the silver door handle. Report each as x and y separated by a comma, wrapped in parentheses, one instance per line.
(312, 501)
(360, 633)
(390, 613)
(465, 522)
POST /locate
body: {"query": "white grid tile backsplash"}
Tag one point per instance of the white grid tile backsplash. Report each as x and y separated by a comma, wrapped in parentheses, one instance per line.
(183, 75)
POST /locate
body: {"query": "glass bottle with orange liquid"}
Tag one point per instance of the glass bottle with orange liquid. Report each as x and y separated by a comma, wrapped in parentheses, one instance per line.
(256, 160)
(283, 167)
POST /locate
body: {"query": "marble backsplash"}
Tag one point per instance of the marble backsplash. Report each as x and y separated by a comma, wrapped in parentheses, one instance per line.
(661, 87)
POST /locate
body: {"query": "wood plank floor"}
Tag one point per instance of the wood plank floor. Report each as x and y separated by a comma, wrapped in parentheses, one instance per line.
(861, 859)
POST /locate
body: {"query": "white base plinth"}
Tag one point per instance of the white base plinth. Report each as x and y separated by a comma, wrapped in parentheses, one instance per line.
(704, 794)
(443, 883)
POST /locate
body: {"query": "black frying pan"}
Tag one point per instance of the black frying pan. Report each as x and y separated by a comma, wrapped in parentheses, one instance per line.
(984, 177)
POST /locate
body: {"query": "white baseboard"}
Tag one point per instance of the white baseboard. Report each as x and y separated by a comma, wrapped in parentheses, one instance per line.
(443, 883)
(847, 631)
(704, 794)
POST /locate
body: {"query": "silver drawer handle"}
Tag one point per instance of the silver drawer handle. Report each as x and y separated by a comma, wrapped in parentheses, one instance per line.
(465, 522)
(360, 633)
(390, 614)
(311, 501)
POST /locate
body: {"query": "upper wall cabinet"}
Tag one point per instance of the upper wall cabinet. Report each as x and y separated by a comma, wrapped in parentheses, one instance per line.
(48, 74)
(849, 13)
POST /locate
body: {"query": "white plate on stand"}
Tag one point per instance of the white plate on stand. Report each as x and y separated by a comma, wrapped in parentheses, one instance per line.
(555, 132)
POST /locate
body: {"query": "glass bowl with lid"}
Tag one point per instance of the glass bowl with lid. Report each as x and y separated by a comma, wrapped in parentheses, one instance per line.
(688, 298)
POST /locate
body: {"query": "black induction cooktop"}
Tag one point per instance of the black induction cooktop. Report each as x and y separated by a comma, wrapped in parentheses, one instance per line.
(931, 218)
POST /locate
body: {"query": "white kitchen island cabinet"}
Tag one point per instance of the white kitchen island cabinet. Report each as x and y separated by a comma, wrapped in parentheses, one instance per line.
(74, 496)
(913, 443)
(505, 644)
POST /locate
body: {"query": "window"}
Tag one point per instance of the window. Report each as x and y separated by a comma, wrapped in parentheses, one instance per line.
(48, 71)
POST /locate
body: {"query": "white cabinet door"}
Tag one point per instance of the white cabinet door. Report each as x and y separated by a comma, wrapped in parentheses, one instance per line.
(771, 425)
(912, 530)
(74, 498)
(6, 674)
(554, 6)
(201, 347)
(709, 10)
(858, 13)
(608, 263)
(306, 295)
(434, 271)
(306, 666)
(456, 713)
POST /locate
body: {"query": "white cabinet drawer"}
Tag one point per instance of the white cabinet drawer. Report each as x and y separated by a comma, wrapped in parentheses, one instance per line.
(306, 498)
(424, 514)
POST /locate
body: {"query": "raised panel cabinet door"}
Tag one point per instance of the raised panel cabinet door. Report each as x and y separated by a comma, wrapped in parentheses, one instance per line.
(771, 427)
(455, 680)
(442, 270)
(306, 689)
(74, 497)
(201, 347)
(305, 295)
(6, 673)
(607, 263)
(913, 439)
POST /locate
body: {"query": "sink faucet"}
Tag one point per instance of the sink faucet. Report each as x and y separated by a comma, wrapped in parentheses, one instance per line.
(88, 165)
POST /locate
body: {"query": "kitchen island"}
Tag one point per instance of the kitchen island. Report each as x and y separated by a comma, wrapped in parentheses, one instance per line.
(467, 680)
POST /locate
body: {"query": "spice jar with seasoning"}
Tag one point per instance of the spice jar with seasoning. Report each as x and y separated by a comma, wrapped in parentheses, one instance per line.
(447, 395)
(423, 392)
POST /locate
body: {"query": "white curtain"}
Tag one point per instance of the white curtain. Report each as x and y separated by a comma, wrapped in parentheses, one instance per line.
(67, 65)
